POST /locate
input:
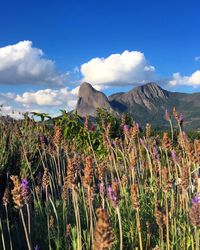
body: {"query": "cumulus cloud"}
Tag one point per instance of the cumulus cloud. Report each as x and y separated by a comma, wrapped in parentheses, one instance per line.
(49, 98)
(130, 67)
(179, 80)
(21, 63)
(45, 100)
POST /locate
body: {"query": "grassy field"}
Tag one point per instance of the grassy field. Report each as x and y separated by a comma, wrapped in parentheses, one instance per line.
(71, 184)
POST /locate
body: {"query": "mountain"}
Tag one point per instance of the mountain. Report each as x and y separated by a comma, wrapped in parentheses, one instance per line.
(89, 100)
(146, 103)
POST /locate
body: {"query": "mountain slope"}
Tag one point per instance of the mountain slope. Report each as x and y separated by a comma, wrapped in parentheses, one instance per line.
(146, 103)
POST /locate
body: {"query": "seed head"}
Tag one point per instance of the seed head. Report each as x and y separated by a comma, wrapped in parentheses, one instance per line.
(134, 196)
(45, 178)
(16, 192)
(6, 196)
(103, 235)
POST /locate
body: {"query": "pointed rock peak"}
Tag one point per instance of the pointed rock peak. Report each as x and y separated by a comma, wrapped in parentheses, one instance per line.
(152, 89)
(152, 85)
(86, 85)
(90, 99)
(86, 89)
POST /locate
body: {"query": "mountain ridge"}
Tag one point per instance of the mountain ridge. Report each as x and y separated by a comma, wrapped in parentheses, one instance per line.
(145, 103)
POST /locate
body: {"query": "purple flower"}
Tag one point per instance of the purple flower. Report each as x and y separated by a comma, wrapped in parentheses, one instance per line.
(114, 195)
(24, 183)
(116, 180)
(196, 200)
(173, 154)
(126, 128)
(111, 194)
(25, 190)
(36, 247)
(181, 117)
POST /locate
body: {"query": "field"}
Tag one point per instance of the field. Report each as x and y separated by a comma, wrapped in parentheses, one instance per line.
(104, 184)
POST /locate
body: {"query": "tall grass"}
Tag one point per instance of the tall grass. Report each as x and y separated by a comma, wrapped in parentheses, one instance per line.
(69, 184)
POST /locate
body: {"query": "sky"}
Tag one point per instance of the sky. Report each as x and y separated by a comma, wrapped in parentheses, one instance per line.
(48, 48)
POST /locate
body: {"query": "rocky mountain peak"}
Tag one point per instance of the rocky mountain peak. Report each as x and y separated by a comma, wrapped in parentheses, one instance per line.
(85, 88)
(90, 100)
(151, 90)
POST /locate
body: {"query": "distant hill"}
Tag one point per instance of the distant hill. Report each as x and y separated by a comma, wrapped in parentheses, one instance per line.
(146, 103)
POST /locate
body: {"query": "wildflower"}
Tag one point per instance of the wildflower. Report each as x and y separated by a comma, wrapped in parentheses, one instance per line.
(16, 192)
(134, 196)
(185, 177)
(148, 130)
(166, 142)
(57, 136)
(196, 199)
(25, 190)
(126, 128)
(6, 196)
(180, 118)
(194, 213)
(36, 247)
(167, 183)
(101, 171)
(124, 180)
(45, 178)
(24, 183)
(113, 197)
(173, 154)
(88, 172)
(175, 113)
(103, 235)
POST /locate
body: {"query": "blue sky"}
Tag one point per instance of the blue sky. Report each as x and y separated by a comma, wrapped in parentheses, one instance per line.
(72, 33)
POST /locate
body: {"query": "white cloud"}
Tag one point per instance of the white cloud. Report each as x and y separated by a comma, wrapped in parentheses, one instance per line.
(178, 79)
(23, 64)
(49, 97)
(45, 100)
(130, 67)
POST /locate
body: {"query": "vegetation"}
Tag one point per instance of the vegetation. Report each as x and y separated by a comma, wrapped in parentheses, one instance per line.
(73, 184)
